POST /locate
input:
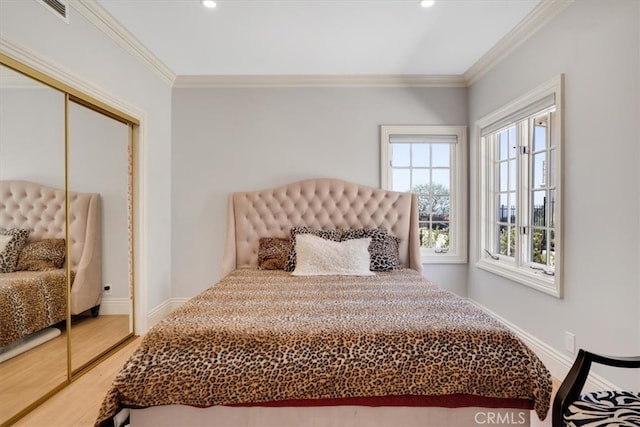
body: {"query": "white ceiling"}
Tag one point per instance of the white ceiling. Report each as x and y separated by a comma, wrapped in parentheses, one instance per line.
(318, 37)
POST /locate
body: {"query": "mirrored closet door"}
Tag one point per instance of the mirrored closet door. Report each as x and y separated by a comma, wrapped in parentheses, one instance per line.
(98, 163)
(33, 340)
(66, 209)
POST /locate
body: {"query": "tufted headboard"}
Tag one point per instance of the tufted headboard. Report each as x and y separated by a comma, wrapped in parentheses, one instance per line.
(41, 209)
(318, 203)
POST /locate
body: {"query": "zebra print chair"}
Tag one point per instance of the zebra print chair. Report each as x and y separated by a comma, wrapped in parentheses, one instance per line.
(602, 408)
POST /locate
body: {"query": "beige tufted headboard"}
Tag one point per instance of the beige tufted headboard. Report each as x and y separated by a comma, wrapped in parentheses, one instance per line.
(318, 203)
(41, 209)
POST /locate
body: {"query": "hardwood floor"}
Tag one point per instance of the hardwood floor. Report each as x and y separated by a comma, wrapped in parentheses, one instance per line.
(77, 405)
(92, 335)
(30, 375)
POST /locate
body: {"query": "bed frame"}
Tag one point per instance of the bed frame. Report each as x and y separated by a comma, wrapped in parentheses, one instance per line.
(41, 209)
(326, 204)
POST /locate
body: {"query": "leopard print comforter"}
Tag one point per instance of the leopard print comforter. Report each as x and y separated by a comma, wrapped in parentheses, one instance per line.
(263, 335)
(31, 301)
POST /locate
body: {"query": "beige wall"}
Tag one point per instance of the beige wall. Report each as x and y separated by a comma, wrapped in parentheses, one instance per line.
(227, 140)
(92, 56)
(595, 44)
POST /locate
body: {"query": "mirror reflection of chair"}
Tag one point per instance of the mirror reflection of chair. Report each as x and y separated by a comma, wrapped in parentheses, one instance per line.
(571, 407)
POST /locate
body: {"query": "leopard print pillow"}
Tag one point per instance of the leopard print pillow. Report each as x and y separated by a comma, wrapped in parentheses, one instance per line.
(384, 248)
(272, 253)
(42, 255)
(9, 256)
(334, 235)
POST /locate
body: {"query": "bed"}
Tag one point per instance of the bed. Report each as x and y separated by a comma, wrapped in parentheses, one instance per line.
(35, 297)
(272, 347)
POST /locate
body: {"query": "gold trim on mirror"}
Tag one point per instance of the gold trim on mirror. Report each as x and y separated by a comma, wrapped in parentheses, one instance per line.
(131, 222)
(66, 231)
(80, 97)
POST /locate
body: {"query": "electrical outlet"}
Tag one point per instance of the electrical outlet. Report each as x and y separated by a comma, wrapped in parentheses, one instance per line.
(569, 342)
(107, 289)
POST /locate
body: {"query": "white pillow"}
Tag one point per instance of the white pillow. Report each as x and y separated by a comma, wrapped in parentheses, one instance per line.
(4, 241)
(316, 256)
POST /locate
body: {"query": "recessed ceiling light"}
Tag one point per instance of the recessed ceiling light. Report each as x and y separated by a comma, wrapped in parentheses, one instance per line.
(209, 3)
(427, 3)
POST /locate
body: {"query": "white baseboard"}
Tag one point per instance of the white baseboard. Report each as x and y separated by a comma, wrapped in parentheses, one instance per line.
(159, 313)
(556, 362)
(115, 306)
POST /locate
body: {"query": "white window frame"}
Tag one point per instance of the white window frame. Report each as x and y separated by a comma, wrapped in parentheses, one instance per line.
(517, 268)
(458, 192)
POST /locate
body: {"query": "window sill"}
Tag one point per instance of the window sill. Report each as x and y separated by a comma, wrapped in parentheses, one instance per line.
(534, 279)
(442, 258)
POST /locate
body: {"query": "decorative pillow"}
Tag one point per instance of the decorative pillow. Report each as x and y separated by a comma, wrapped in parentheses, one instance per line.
(384, 248)
(42, 255)
(273, 252)
(12, 248)
(4, 241)
(334, 235)
(318, 257)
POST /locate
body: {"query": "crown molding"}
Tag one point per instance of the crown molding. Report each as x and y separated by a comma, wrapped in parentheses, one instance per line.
(291, 80)
(104, 21)
(536, 19)
(69, 80)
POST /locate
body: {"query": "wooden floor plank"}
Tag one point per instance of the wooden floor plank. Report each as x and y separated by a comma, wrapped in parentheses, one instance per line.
(77, 404)
(29, 376)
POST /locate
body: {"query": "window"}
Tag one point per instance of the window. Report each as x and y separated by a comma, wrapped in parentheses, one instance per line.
(519, 189)
(431, 162)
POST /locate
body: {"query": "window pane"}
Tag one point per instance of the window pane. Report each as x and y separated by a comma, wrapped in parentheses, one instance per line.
(513, 208)
(441, 180)
(440, 207)
(539, 246)
(420, 180)
(551, 129)
(441, 154)
(401, 180)
(551, 207)
(420, 153)
(503, 144)
(512, 175)
(424, 207)
(507, 240)
(503, 208)
(539, 172)
(552, 249)
(441, 235)
(512, 142)
(426, 236)
(434, 236)
(550, 167)
(503, 176)
(539, 208)
(540, 133)
(500, 231)
(401, 155)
